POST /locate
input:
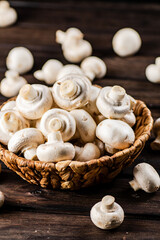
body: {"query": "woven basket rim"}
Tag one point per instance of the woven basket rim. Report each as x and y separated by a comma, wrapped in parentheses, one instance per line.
(142, 138)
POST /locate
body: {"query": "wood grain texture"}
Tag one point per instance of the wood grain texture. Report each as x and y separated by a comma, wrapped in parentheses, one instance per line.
(31, 212)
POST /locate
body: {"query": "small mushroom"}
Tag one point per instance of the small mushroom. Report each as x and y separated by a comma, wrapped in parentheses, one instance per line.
(26, 141)
(145, 178)
(57, 120)
(10, 122)
(11, 85)
(93, 67)
(8, 15)
(11, 105)
(55, 150)
(74, 47)
(86, 126)
(49, 71)
(153, 71)
(72, 91)
(107, 214)
(34, 100)
(129, 118)
(126, 42)
(88, 152)
(155, 145)
(116, 135)
(69, 69)
(20, 59)
(113, 102)
(2, 198)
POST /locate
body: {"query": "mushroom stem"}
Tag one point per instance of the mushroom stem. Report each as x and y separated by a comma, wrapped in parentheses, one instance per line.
(28, 92)
(4, 5)
(55, 124)
(68, 89)
(55, 137)
(155, 145)
(117, 93)
(134, 184)
(30, 153)
(12, 75)
(90, 75)
(39, 75)
(107, 203)
(11, 121)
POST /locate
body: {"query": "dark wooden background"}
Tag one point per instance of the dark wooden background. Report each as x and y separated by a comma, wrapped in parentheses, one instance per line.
(31, 212)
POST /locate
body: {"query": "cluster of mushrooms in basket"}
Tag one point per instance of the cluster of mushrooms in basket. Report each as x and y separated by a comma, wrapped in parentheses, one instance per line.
(74, 119)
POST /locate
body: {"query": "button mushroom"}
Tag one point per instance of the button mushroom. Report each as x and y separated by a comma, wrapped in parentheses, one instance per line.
(8, 15)
(93, 67)
(153, 71)
(20, 59)
(145, 178)
(155, 145)
(11, 85)
(49, 71)
(88, 152)
(26, 141)
(72, 91)
(116, 135)
(107, 214)
(34, 100)
(10, 122)
(113, 102)
(57, 120)
(126, 42)
(74, 47)
(86, 126)
(55, 149)
(2, 198)
(69, 69)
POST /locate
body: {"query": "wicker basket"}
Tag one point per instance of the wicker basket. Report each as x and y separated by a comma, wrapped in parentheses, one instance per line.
(74, 175)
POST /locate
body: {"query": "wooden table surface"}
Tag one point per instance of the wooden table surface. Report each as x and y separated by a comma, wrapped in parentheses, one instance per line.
(31, 212)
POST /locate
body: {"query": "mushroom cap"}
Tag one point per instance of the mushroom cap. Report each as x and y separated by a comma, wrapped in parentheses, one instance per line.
(10, 122)
(72, 91)
(57, 120)
(93, 67)
(88, 152)
(8, 15)
(115, 133)
(107, 214)
(49, 71)
(153, 73)
(147, 177)
(113, 102)
(126, 42)
(25, 138)
(86, 125)
(9, 105)
(11, 85)
(20, 59)
(34, 100)
(69, 69)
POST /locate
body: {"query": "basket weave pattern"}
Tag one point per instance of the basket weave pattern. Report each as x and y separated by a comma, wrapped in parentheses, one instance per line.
(74, 175)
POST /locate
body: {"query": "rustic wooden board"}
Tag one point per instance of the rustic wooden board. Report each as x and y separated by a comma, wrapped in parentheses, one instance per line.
(31, 212)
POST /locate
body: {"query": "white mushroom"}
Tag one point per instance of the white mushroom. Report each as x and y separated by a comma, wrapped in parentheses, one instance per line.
(126, 42)
(2, 198)
(129, 118)
(10, 122)
(9, 106)
(153, 71)
(86, 126)
(155, 145)
(72, 91)
(74, 47)
(88, 152)
(34, 100)
(93, 67)
(116, 135)
(113, 102)
(11, 85)
(107, 214)
(145, 178)
(20, 59)
(26, 141)
(49, 71)
(55, 149)
(8, 15)
(69, 69)
(57, 120)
